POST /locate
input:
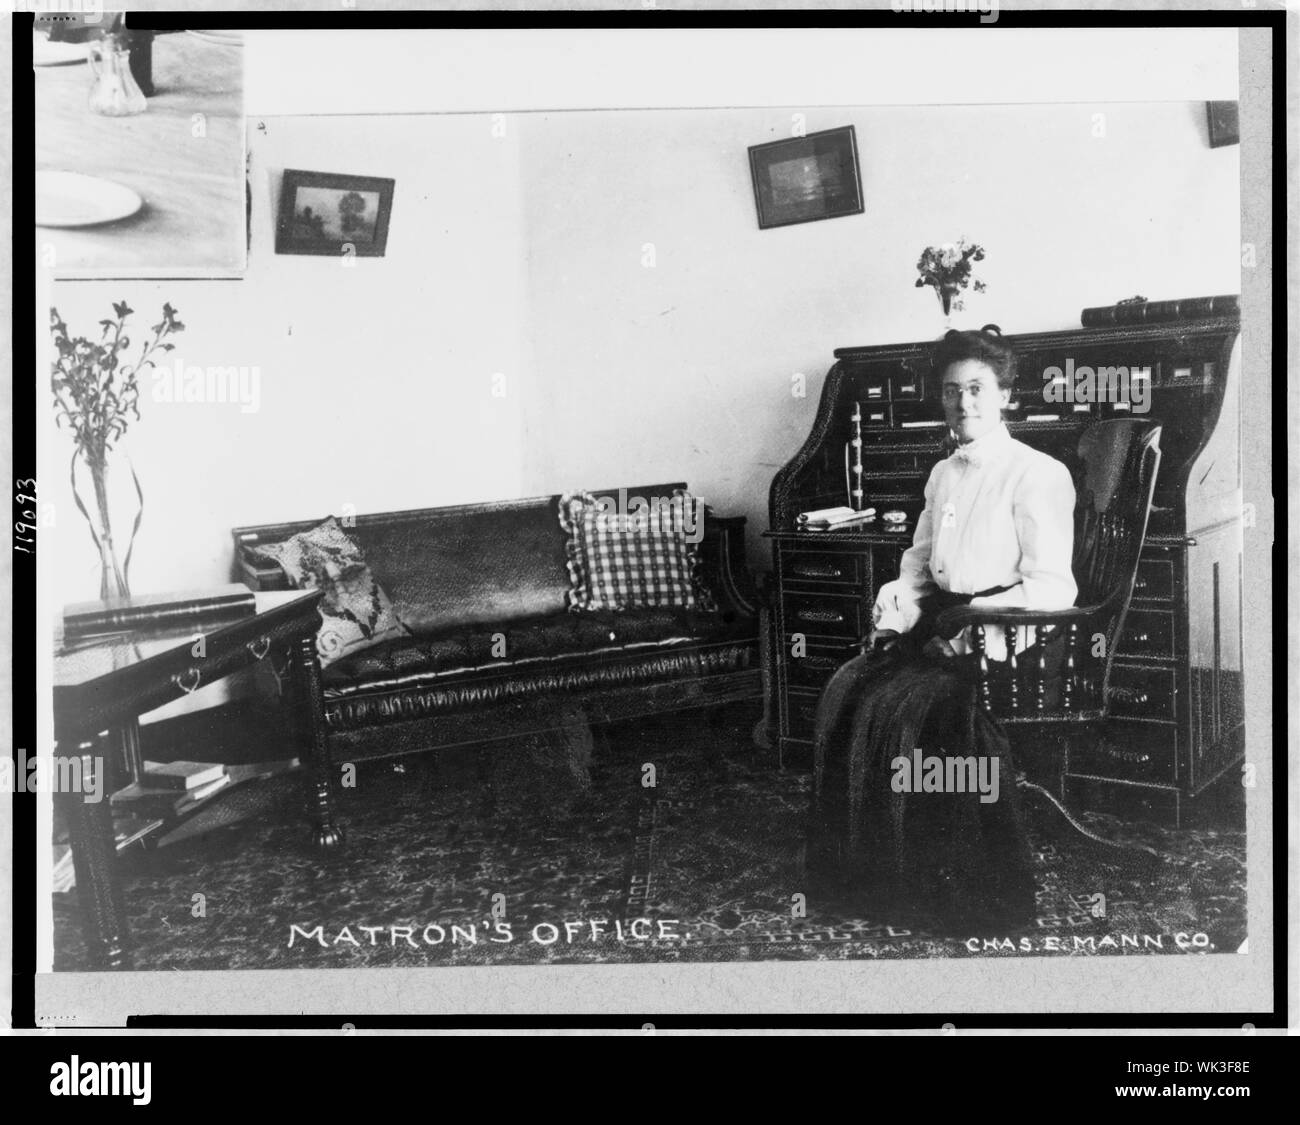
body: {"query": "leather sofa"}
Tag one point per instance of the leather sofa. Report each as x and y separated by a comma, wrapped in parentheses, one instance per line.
(474, 581)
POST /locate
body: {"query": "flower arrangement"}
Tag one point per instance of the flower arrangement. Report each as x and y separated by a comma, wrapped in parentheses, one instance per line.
(948, 268)
(96, 394)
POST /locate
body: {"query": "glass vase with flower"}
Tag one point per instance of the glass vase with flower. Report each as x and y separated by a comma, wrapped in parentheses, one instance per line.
(948, 269)
(96, 394)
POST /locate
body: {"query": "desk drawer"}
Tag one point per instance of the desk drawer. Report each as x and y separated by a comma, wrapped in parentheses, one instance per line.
(815, 667)
(1155, 579)
(800, 715)
(1148, 632)
(907, 387)
(820, 568)
(1141, 752)
(1138, 692)
(873, 388)
(825, 615)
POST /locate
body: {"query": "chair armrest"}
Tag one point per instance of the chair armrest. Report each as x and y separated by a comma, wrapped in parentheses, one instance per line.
(954, 620)
(722, 558)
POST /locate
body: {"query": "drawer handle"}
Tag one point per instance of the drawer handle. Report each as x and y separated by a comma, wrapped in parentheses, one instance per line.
(178, 679)
(1142, 639)
(822, 616)
(1140, 584)
(813, 570)
(1129, 695)
(1136, 757)
(819, 665)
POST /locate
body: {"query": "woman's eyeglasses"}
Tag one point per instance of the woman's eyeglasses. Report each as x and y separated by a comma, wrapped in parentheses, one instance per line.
(952, 392)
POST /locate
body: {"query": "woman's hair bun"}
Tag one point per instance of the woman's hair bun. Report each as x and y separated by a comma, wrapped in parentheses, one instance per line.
(987, 346)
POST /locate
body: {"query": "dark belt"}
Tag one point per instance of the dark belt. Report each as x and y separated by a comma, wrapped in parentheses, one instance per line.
(934, 604)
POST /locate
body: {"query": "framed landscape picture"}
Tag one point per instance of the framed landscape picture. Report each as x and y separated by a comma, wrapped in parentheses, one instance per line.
(325, 213)
(807, 178)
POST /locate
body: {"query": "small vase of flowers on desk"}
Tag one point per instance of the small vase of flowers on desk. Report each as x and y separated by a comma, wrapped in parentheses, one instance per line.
(949, 268)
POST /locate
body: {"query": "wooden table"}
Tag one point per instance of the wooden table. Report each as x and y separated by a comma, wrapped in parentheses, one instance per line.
(189, 169)
(101, 688)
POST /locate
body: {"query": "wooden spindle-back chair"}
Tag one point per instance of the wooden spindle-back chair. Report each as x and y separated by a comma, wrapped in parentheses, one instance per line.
(1073, 649)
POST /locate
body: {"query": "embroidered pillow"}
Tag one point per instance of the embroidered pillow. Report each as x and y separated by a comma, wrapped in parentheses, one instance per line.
(635, 559)
(355, 611)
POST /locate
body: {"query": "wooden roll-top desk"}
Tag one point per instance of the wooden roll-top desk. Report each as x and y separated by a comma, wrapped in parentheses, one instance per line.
(1177, 693)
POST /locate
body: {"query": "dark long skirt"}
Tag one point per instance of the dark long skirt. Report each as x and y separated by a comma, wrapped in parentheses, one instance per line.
(933, 853)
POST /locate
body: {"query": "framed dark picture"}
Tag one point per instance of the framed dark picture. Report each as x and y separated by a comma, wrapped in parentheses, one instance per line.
(324, 213)
(807, 178)
(1222, 117)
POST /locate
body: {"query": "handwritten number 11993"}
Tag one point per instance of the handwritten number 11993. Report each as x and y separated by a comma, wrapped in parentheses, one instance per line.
(25, 525)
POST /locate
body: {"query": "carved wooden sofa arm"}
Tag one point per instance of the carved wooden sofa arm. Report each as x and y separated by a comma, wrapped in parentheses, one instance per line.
(725, 569)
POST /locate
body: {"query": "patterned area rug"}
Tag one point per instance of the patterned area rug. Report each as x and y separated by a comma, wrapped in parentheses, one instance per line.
(520, 854)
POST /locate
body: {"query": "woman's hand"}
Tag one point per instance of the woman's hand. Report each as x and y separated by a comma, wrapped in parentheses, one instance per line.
(882, 640)
(937, 646)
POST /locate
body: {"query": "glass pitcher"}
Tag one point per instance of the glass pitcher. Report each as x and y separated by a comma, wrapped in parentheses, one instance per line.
(114, 91)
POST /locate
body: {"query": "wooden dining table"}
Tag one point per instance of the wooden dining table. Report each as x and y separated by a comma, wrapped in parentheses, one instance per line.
(184, 156)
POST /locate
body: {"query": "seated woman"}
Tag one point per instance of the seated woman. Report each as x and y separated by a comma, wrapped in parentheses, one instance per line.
(945, 840)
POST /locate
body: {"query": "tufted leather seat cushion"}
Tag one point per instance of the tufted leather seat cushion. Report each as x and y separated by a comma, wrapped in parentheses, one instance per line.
(411, 661)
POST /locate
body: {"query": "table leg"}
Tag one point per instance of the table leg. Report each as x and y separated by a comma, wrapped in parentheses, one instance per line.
(94, 858)
(130, 755)
(309, 705)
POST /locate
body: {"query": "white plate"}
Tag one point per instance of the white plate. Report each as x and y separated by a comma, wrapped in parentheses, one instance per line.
(221, 38)
(69, 199)
(45, 53)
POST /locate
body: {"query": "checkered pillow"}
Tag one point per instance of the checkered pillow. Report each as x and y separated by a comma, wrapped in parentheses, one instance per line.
(633, 560)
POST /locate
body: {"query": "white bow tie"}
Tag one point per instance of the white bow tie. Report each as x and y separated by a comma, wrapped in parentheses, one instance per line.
(962, 455)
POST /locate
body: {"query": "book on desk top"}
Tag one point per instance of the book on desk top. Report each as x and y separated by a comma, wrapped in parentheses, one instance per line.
(1138, 310)
(182, 775)
(112, 615)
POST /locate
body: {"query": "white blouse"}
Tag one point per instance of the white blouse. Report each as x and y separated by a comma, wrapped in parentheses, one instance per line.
(997, 512)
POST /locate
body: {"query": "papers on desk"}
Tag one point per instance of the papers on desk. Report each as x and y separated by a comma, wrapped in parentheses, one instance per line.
(830, 519)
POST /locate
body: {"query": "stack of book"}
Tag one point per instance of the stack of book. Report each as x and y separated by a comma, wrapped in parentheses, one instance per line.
(171, 788)
(831, 519)
(158, 611)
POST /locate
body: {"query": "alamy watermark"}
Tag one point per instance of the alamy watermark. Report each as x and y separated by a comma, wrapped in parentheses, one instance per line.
(666, 513)
(51, 11)
(937, 773)
(1126, 387)
(193, 384)
(987, 10)
(57, 774)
